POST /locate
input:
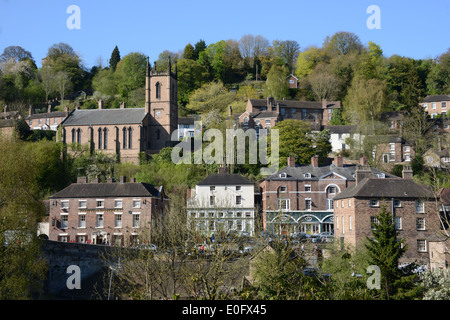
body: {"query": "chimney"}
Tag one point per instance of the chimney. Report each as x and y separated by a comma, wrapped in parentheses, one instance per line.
(364, 161)
(132, 179)
(291, 161)
(66, 109)
(362, 172)
(30, 110)
(270, 101)
(339, 161)
(81, 180)
(109, 180)
(315, 161)
(188, 192)
(96, 180)
(222, 169)
(230, 111)
(407, 172)
(278, 108)
(49, 108)
(122, 105)
(100, 104)
(324, 103)
(123, 179)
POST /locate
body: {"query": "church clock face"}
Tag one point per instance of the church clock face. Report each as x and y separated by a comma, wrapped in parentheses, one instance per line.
(158, 114)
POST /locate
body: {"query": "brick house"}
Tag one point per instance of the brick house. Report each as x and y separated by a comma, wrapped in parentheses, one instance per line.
(299, 198)
(436, 105)
(265, 113)
(101, 213)
(128, 132)
(49, 120)
(413, 207)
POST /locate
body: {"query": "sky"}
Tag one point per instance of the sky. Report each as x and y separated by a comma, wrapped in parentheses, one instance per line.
(415, 29)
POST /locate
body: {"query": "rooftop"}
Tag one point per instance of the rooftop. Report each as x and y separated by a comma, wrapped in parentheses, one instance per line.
(86, 117)
(224, 179)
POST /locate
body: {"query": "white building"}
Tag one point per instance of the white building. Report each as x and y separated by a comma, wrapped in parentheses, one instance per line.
(186, 127)
(222, 204)
(338, 136)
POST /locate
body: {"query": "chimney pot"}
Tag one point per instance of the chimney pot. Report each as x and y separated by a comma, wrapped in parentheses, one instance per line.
(407, 172)
(100, 104)
(81, 180)
(339, 161)
(364, 161)
(291, 161)
(123, 179)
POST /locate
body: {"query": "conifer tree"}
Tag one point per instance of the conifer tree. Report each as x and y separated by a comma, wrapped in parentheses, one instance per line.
(385, 251)
(115, 58)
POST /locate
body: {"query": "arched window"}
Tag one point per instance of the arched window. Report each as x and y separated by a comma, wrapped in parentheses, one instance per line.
(130, 138)
(105, 138)
(124, 138)
(158, 90)
(100, 138)
(74, 139)
(79, 135)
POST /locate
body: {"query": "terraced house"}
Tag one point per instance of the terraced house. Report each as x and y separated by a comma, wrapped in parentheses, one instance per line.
(221, 204)
(413, 207)
(300, 198)
(104, 213)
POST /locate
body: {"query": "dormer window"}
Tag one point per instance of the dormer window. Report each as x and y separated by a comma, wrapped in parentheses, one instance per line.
(283, 175)
(381, 175)
(307, 175)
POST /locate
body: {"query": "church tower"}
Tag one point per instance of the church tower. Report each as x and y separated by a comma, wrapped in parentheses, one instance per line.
(161, 105)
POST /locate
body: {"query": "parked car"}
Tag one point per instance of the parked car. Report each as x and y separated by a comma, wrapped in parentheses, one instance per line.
(150, 246)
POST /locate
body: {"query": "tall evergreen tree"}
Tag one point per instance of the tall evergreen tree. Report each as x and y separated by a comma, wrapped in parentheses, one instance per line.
(115, 58)
(385, 251)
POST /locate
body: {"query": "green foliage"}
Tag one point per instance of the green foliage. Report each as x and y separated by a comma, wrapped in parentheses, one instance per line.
(276, 84)
(115, 58)
(211, 96)
(296, 139)
(130, 73)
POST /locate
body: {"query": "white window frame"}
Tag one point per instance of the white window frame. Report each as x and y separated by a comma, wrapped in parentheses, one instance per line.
(286, 206)
(64, 223)
(102, 203)
(421, 248)
(375, 203)
(117, 222)
(136, 219)
(80, 224)
(420, 206)
(138, 203)
(116, 202)
(80, 204)
(308, 200)
(100, 220)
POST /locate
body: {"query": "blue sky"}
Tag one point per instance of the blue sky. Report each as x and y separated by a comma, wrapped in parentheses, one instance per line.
(416, 29)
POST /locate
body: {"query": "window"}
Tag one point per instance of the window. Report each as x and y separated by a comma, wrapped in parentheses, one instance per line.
(350, 223)
(444, 104)
(420, 206)
(130, 138)
(64, 221)
(349, 203)
(65, 204)
(307, 175)
(238, 200)
(407, 149)
(398, 223)
(308, 188)
(211, 200)
(212, 188)
(82, 220)
(81, 238)
(136, 203)
(330, 204)
(420, 223)
(397, 204)
(337, 203)
(421, 245)
(118, 220)
(332, 190)
(158, 90)
(407, 157)
(100, 203)
(307, 204)
(238, 188)
(136, 219)
(105, 138)
(99, 220)
(79, 135)
(283, 204)
(100, 139)
(117, 203)
(425, 105)
(283, 189)
(124, 144)
(374, 203)
(392, 146)
(82, 204)
(55, 120)
(373, 222)
(283, 175)
(433, 105)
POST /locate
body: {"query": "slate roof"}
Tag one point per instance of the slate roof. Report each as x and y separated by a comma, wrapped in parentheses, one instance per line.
(106, 190)
(341, 128)
(295, 104)
(436, 98)
(297, 173)
(224, 179)
(47, 115)
(385, 188)
(86, 117)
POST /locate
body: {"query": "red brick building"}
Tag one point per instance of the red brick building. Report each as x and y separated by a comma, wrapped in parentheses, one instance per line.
(104, 213)
(413, 207)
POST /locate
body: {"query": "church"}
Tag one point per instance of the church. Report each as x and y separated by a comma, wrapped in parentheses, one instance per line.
(129, 132)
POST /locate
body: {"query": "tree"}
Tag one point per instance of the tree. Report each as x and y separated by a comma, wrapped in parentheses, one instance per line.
(15, 52)
(287, 51)
(324, 83)
(385, 251)
(365, 101)
(48, 81)
(63, 83)
(191, 76)
(438, 79)
(130, 73)
(342, 43)
(276, 83)
(189, 52)
(115, 58)
(210, 96)
(199, 47)
(21, 266)
(296, 140)
(307, 61)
